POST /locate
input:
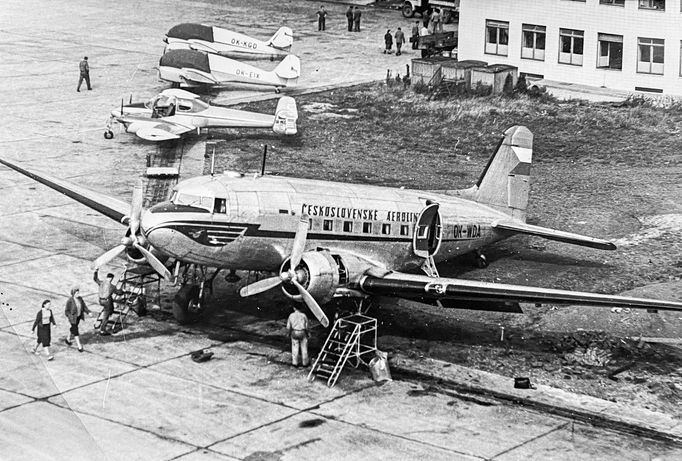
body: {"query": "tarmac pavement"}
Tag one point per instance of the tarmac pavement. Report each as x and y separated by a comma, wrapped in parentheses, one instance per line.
(137, 395)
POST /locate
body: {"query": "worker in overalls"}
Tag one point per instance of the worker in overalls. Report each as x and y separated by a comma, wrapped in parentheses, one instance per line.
(298, 330)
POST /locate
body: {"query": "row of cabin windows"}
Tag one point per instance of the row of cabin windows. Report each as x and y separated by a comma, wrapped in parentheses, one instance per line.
(367, 227)
(650, 51)
(643, 4)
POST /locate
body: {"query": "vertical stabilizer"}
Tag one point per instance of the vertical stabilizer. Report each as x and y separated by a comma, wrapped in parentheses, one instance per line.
(505, 182)
(283, 38)
(289, 68)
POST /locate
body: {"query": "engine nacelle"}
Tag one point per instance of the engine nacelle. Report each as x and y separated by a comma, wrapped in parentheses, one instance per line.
(318, 273)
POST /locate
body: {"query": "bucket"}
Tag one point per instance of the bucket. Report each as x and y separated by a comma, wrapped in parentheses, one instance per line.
(378, 366)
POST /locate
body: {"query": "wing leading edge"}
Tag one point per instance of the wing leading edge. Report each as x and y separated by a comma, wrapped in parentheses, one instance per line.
(469, 294)
(108, 206)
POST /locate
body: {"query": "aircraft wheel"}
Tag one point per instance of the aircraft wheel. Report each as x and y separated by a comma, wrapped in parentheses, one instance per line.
(481, 261)
(278, 91)
(108, 134)
(186, 304)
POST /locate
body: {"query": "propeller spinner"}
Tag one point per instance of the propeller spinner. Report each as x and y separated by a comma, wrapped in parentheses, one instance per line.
(134, 239)
(291, 275)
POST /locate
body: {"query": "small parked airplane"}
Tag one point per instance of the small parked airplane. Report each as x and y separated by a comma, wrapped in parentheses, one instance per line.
(338, 240)
(211, 39)
(174, 112)
(194, 68)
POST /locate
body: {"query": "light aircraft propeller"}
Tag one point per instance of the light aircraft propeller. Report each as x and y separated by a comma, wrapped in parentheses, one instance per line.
(134, 239)
(291, 275)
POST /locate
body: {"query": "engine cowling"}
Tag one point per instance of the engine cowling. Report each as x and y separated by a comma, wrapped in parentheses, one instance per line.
(318, 272)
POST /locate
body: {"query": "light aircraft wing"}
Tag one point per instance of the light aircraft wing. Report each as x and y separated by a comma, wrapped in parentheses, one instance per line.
(552, 234)
(162, 131)
(469, 294)
(108, 206)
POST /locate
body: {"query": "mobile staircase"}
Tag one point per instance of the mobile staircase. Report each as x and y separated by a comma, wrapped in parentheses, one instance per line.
(350, 339)
(133, 297)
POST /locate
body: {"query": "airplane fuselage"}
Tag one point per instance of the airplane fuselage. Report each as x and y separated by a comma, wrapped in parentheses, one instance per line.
(261, 214)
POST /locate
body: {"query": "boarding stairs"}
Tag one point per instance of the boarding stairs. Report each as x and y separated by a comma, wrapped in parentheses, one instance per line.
(135, 293)
(350, 339)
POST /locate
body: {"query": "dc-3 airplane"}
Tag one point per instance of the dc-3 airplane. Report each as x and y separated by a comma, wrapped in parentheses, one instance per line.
(175, 112)
(216, 40)
(329, 239)
(194, 68)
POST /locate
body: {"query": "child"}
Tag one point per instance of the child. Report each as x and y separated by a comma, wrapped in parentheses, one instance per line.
(43, 320)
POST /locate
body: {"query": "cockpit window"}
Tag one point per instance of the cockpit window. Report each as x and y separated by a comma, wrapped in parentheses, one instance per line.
(220, 205)
(197, 201)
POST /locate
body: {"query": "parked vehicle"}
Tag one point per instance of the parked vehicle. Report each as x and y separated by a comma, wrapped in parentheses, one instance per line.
(450, 8)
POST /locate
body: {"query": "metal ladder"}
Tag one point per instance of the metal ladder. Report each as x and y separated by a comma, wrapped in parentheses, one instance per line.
(350, 339)
(133, 296)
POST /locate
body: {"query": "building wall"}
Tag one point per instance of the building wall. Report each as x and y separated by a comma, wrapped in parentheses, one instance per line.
(591, 17)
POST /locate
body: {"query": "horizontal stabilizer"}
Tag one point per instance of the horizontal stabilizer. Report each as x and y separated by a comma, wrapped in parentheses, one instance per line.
(552, 234)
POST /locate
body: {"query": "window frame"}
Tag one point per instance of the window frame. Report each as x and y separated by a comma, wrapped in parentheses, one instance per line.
(573, 34)
(652, 44)
(386, 229)
(499, 26)
(612, 3)
(651, 6)
(348, 226)
(599, 50)
(537, 54)
(404, 229)
(328, 225)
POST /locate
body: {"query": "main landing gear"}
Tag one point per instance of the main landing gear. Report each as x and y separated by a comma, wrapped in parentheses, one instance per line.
(195, 291)
(481, 260)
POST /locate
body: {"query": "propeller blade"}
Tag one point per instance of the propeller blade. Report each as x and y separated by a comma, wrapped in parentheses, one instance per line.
(154, 262)
(312, 304)
(260, 286)
(299, 242)
(108, 256)
(136, 209)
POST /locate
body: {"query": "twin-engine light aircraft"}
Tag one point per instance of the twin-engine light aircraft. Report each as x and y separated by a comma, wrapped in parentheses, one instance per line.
(216, 40)
(328, 240)
(175, 112)
(194, 68)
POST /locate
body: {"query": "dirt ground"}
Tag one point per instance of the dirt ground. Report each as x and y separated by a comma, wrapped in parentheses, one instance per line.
(609, 171)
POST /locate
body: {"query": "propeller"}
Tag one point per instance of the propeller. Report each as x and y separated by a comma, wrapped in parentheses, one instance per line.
(133, 239)
(291, 276)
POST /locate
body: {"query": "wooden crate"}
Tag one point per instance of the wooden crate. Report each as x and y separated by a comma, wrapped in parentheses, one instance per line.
(460, 70)
(423, 69)
(493, 76)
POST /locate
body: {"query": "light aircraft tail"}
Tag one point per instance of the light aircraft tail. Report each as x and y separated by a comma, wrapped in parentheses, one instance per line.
(286, 116)
(505, 181)
(289, 68)
(283, 38)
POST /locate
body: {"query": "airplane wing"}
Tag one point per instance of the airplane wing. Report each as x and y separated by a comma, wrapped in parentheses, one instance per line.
(469, 294)
(552, 234)
(162, 131)
(108, 206)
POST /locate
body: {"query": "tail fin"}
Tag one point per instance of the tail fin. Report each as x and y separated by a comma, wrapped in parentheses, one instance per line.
(283, 38)
(286, 115)
(289, 68)
(505, 182)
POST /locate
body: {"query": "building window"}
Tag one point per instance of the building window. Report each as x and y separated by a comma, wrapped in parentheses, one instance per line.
(348, 226)
(571, 46)
(496, 37)
(650, 55)
(404, 229)
(610, 52)
(612, 2)
(680, 58)
(386, 229)
(327, 225)
(533, 42)
(652, 5)
(366, 227)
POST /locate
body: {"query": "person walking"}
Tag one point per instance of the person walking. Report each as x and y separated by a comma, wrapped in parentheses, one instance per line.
(356, 19)
(299, 331)
(106, 291)
(43, 320)
(415, 36)
(321, 19)
(399, 40)
(437, 20)
(75, 311)
(388, 40)
(349, 18)
(84, 74)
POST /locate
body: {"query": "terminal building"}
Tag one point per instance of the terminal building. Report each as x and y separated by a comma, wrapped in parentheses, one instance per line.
(632, 45)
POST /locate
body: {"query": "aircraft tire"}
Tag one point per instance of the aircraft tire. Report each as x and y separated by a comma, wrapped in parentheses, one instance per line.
(108, 134)
(181, 302)
(481, 261)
